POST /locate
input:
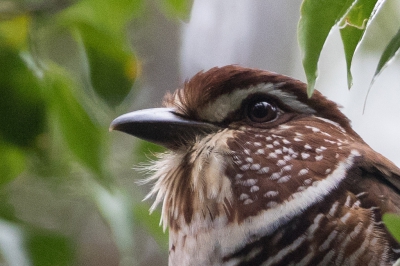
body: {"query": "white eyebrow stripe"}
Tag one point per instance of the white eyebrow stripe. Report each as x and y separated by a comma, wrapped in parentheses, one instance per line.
(218, 110)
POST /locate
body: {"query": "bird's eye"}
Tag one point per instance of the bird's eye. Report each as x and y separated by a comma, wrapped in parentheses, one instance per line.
(261, 111)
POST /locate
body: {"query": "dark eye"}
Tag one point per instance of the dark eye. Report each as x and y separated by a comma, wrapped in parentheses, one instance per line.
(261, 111)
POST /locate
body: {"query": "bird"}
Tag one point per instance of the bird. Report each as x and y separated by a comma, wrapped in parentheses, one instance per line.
(256, 172)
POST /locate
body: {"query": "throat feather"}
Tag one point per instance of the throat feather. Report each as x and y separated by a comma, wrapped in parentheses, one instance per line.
(192, 183)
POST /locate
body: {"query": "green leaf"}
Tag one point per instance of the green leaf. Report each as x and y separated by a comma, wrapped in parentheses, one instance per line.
(22, 105)
(112, 66)
(390, 51)
(316, 21)
(178, 8)
(83, 136)
(111, 16)
(101, 25)
(353, 27)
(12, 163)
(48, 248)
(14, 32)
(392, 223)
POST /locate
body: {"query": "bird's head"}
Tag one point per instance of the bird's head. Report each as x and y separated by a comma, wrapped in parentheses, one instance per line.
(242, 141)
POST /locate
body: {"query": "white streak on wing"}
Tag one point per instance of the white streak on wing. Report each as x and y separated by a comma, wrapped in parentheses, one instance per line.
(315, 226)
(324, 246)
(288, 249)
(333, 209)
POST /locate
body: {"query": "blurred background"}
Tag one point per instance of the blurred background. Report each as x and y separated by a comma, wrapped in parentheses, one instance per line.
(67, 68)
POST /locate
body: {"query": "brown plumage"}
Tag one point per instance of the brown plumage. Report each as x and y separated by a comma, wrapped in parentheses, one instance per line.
(260, 174)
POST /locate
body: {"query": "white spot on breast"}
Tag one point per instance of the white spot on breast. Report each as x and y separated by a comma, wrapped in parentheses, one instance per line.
(297, 139)
(307, 181)
(326, 134)
(275, 176)
(314, 129)
(327, 171)
(285, 127)
(301, 188)
(272, 204)
(268, 138)
(303, 172)
(278, 151)
(246, 151)
(319, 157)
(257, 144)
(315, 183)
(276, 143)
(284, 179)
(288, 158)
(330, 141)
(238, 176)
(248, 201)
(307, 146)
(271, 194)
(259, 151)
(272, 155)
(254, 189)
(255, 167)
(305, 155)
(249, 159)
(285, 141)
(287, 167)
(269, 146)
(320, 149)
(263, 170)
(281, 162)
(243, 196)
(244, 167)
(249, 182)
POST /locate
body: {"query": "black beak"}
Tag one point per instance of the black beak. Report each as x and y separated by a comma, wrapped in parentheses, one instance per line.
(161, 126)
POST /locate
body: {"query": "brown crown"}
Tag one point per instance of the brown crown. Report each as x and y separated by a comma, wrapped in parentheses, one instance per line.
(205, 87)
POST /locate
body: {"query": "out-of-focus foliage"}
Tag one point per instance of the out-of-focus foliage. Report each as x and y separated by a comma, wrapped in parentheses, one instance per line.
(392, 222)
(353, 17)
(55, 108)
